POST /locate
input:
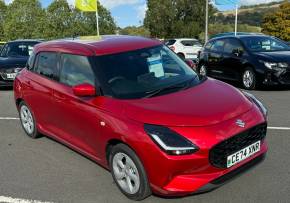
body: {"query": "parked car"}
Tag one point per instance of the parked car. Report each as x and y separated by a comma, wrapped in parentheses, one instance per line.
(185, 48)
(227, 34)
(13, 58)
(2, 43)
(249, 59)
(137, 109)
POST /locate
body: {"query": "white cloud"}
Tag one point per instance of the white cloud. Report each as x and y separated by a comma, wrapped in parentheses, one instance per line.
(115, 3)
(249, 2)
(141, 11)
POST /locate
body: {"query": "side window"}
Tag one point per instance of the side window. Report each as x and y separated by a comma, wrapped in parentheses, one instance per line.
(232, 45)
(30, 62)
(76, 70)
(208, 45)
(218, 46)
(189, 43)
(47, 64)
(4, 51)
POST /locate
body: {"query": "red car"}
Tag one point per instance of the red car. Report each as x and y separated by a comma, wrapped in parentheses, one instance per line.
(134, 107)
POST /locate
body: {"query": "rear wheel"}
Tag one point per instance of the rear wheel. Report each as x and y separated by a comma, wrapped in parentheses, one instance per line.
(129, 173)
(249, 79)
(27, 120)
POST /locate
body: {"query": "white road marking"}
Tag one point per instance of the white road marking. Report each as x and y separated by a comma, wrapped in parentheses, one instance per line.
(270, 128)
(8, 118)
(15, 200)
(278, 128)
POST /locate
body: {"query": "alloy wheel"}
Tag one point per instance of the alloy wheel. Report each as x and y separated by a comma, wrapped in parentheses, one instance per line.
(27, 119)
(202, 70)
(248, 79)
(126, 173)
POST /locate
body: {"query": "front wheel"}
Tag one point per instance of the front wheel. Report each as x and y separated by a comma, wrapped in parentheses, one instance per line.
(249, 79)
(129, 173)
(202, 70)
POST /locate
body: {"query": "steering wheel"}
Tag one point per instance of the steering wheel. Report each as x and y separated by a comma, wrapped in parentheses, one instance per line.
(115, 79)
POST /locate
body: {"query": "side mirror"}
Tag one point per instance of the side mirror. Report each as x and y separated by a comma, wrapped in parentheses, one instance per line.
(190, 63)
(84, 90)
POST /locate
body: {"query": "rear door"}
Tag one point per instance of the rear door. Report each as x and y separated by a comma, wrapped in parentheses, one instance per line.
(215, 58)
(38, 83)
(232, 64)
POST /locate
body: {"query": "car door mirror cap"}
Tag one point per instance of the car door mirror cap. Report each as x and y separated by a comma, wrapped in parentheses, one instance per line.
(84, 90)
(238, 52)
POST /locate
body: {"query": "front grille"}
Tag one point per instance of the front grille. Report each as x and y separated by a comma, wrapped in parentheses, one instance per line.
(219, 153)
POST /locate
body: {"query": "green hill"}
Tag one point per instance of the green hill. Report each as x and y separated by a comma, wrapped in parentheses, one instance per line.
(252, 15)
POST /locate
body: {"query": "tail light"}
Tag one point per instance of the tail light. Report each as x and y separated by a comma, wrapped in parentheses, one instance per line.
(172, 48)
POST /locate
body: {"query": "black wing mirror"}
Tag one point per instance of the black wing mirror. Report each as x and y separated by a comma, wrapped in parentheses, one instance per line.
(238, 52)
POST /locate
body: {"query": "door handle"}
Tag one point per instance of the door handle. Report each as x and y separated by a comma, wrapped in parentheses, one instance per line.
(59, 97)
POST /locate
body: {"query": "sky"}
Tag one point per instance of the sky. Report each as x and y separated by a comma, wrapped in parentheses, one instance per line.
(132, 12)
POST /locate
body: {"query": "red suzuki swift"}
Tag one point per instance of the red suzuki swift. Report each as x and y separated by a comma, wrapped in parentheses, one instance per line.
(134, 107)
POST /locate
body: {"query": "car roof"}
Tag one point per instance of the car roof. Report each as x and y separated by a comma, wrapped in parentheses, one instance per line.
(26, 40)
(183, 39)
(103, 45)
(238, 36)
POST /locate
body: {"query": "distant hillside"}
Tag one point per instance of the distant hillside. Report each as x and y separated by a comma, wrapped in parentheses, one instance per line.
(251, 15)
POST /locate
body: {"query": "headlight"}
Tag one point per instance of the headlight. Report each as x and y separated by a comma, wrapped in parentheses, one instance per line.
(275, 66)
(259, 104)
(169, 141)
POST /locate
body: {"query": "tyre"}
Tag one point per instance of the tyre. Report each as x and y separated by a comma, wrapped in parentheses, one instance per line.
(249, 79)
(129, 173)
(181, 55)
(27, 121)
(202, 70)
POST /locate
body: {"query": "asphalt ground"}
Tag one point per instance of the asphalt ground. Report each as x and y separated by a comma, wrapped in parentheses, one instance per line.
(47, 171)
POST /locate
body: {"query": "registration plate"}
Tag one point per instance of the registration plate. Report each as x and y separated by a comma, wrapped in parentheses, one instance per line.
(11, 75)
(243, 154)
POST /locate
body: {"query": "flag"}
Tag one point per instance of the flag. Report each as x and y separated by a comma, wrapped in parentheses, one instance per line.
(226, 2)
(86, 5)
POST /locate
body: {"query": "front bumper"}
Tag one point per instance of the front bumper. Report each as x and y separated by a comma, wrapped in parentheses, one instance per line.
(189, 174)
(276, 77)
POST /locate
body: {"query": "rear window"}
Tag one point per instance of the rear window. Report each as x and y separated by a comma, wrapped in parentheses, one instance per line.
(18, 49)
(170, 42)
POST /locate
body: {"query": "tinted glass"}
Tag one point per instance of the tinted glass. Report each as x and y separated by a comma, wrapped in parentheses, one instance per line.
(47, 64)
(135, 74)
(30, 62)
(190, 43)
(218, 46)
(76, 70)
(232, 45)
(208, 45)
(18, 49)
(264, 44)
(170, 42)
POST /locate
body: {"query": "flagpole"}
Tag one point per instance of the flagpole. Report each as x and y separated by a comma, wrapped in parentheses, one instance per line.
(97, 18)
(236, 20)
(206, 22)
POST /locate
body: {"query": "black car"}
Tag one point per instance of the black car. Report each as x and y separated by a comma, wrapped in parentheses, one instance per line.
(13, 57)
(249, 59)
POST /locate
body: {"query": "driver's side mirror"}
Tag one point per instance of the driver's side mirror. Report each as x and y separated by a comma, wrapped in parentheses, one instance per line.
(84, 90)
(238, 52)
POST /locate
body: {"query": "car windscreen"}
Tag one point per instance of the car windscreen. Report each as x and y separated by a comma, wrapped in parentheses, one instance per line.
(143, 73)
(264, 44)
(17, 49)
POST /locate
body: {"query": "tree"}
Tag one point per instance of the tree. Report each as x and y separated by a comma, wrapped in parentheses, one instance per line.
(176, 18)
(85, 22)
(3, 9)
(277, 24)
(137, 31)
(59, 20)
(24, 19)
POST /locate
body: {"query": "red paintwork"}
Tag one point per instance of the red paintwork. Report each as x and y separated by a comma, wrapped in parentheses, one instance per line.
(205, 114)
(84, 90)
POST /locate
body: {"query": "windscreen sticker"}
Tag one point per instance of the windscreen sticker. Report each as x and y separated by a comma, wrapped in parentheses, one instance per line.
(156, 66)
